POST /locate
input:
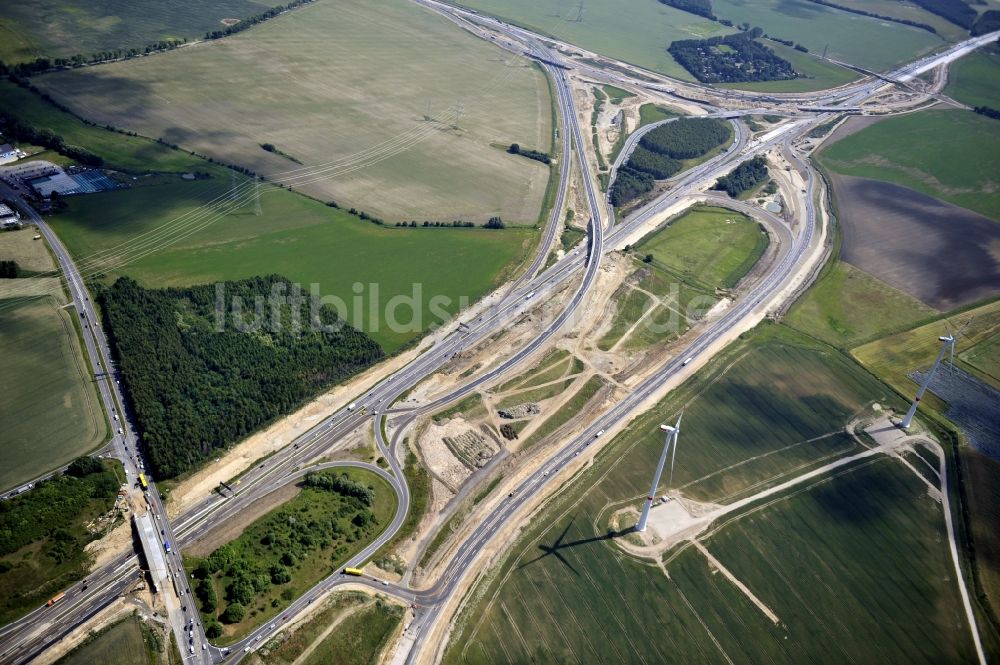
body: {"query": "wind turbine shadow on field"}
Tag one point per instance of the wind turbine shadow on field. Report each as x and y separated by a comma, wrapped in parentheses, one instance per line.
(554, 548)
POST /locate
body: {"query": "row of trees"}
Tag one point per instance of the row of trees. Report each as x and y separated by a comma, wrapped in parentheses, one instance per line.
(492, 223)
(14, 129)
(196, 387)
(254, 20)
(989, 112)
(744, 177)
(881, 17)
(537, 155)
(698, 7)
(341, 484)
(731, 59)
(8, 269)
(39, 65)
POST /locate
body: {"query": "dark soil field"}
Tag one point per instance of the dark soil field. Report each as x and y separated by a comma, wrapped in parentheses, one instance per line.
(943, 255)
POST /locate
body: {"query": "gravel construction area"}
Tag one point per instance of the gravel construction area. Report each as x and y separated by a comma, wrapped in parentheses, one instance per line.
(943, 255)
(972, 404)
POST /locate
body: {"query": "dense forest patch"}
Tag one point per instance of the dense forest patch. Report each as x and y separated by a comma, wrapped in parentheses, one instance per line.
(661, 152)
(744, 177)
(199, 379)
(43, 533)
(731, 59)
(284, 553)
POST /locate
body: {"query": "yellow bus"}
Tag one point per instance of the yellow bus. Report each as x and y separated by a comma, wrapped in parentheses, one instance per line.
(142, 481)
(354, 571)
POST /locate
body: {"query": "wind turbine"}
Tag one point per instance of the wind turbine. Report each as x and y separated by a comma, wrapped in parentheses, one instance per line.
(672, 431)
(947, 343)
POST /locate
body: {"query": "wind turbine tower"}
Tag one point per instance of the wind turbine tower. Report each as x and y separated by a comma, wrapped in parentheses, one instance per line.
(671, 431)
(947, 342)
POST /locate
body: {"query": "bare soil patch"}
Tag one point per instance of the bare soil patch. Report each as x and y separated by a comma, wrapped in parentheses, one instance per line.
(943, 255)
(232, 528)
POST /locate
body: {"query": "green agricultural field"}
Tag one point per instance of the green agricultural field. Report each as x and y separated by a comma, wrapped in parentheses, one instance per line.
(593, 594)
(365, 95)
(817, 74)
(809, 558)
(299, 238)
(710, 247)
(122, 644)
(847, 306)
(61, 28)
(893, 357)
(130, 153)
(985, 357)
(635, 31)
(975, 79)
(982, 494)
(856, 39)
(952, 155)
(906, 9)
(273, 561)
(50, 412)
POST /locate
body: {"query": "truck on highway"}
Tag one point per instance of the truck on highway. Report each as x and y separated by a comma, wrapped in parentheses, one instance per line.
(166, 546)
(686, 361)
(55, 599)
(357, 572)
(352, 406)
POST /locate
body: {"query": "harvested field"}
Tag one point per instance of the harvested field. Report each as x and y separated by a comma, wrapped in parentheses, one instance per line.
(943, 255)
(369, 92)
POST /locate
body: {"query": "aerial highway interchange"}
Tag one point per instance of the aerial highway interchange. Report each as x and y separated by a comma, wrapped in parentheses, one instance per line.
(799, 251)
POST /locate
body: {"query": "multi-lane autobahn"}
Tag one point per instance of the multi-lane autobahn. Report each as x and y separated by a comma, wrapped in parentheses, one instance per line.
(22, 640)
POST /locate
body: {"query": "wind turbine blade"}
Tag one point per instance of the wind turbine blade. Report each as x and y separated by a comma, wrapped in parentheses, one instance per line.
(673, 454)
